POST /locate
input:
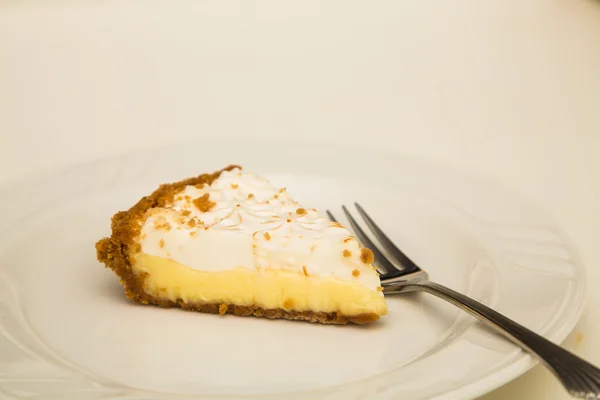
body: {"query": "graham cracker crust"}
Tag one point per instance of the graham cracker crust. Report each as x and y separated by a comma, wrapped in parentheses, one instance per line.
(115, 251)
(310, 316)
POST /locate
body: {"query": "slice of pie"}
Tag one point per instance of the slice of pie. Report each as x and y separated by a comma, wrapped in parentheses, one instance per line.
(232, 243)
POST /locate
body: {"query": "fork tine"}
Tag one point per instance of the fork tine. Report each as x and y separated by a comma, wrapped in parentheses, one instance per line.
(364, 239)
(387, 244)
(331, 217)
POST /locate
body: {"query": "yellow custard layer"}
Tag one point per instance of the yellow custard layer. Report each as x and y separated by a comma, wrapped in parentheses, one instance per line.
(269, 289)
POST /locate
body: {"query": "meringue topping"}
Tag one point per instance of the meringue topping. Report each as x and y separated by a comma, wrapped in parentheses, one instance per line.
(242, 220)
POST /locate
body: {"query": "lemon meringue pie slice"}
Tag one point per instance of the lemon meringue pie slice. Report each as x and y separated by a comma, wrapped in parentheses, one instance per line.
(232, 243)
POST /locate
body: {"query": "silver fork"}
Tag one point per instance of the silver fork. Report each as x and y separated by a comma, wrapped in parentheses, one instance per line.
(399, 274)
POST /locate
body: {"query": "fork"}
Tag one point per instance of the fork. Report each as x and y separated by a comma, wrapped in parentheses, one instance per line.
(399, 274)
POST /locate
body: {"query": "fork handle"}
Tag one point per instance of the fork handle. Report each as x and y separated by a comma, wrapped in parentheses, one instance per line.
(580, 378)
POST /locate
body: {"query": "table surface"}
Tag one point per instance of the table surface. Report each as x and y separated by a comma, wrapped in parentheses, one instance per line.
(510, 89)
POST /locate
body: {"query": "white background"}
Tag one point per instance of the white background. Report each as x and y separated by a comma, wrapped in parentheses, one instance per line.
(510, 89)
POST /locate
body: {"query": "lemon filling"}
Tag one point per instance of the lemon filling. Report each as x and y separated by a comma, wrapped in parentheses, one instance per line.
(268, 288)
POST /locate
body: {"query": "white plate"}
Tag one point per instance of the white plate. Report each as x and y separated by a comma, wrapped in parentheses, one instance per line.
(67, 332)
